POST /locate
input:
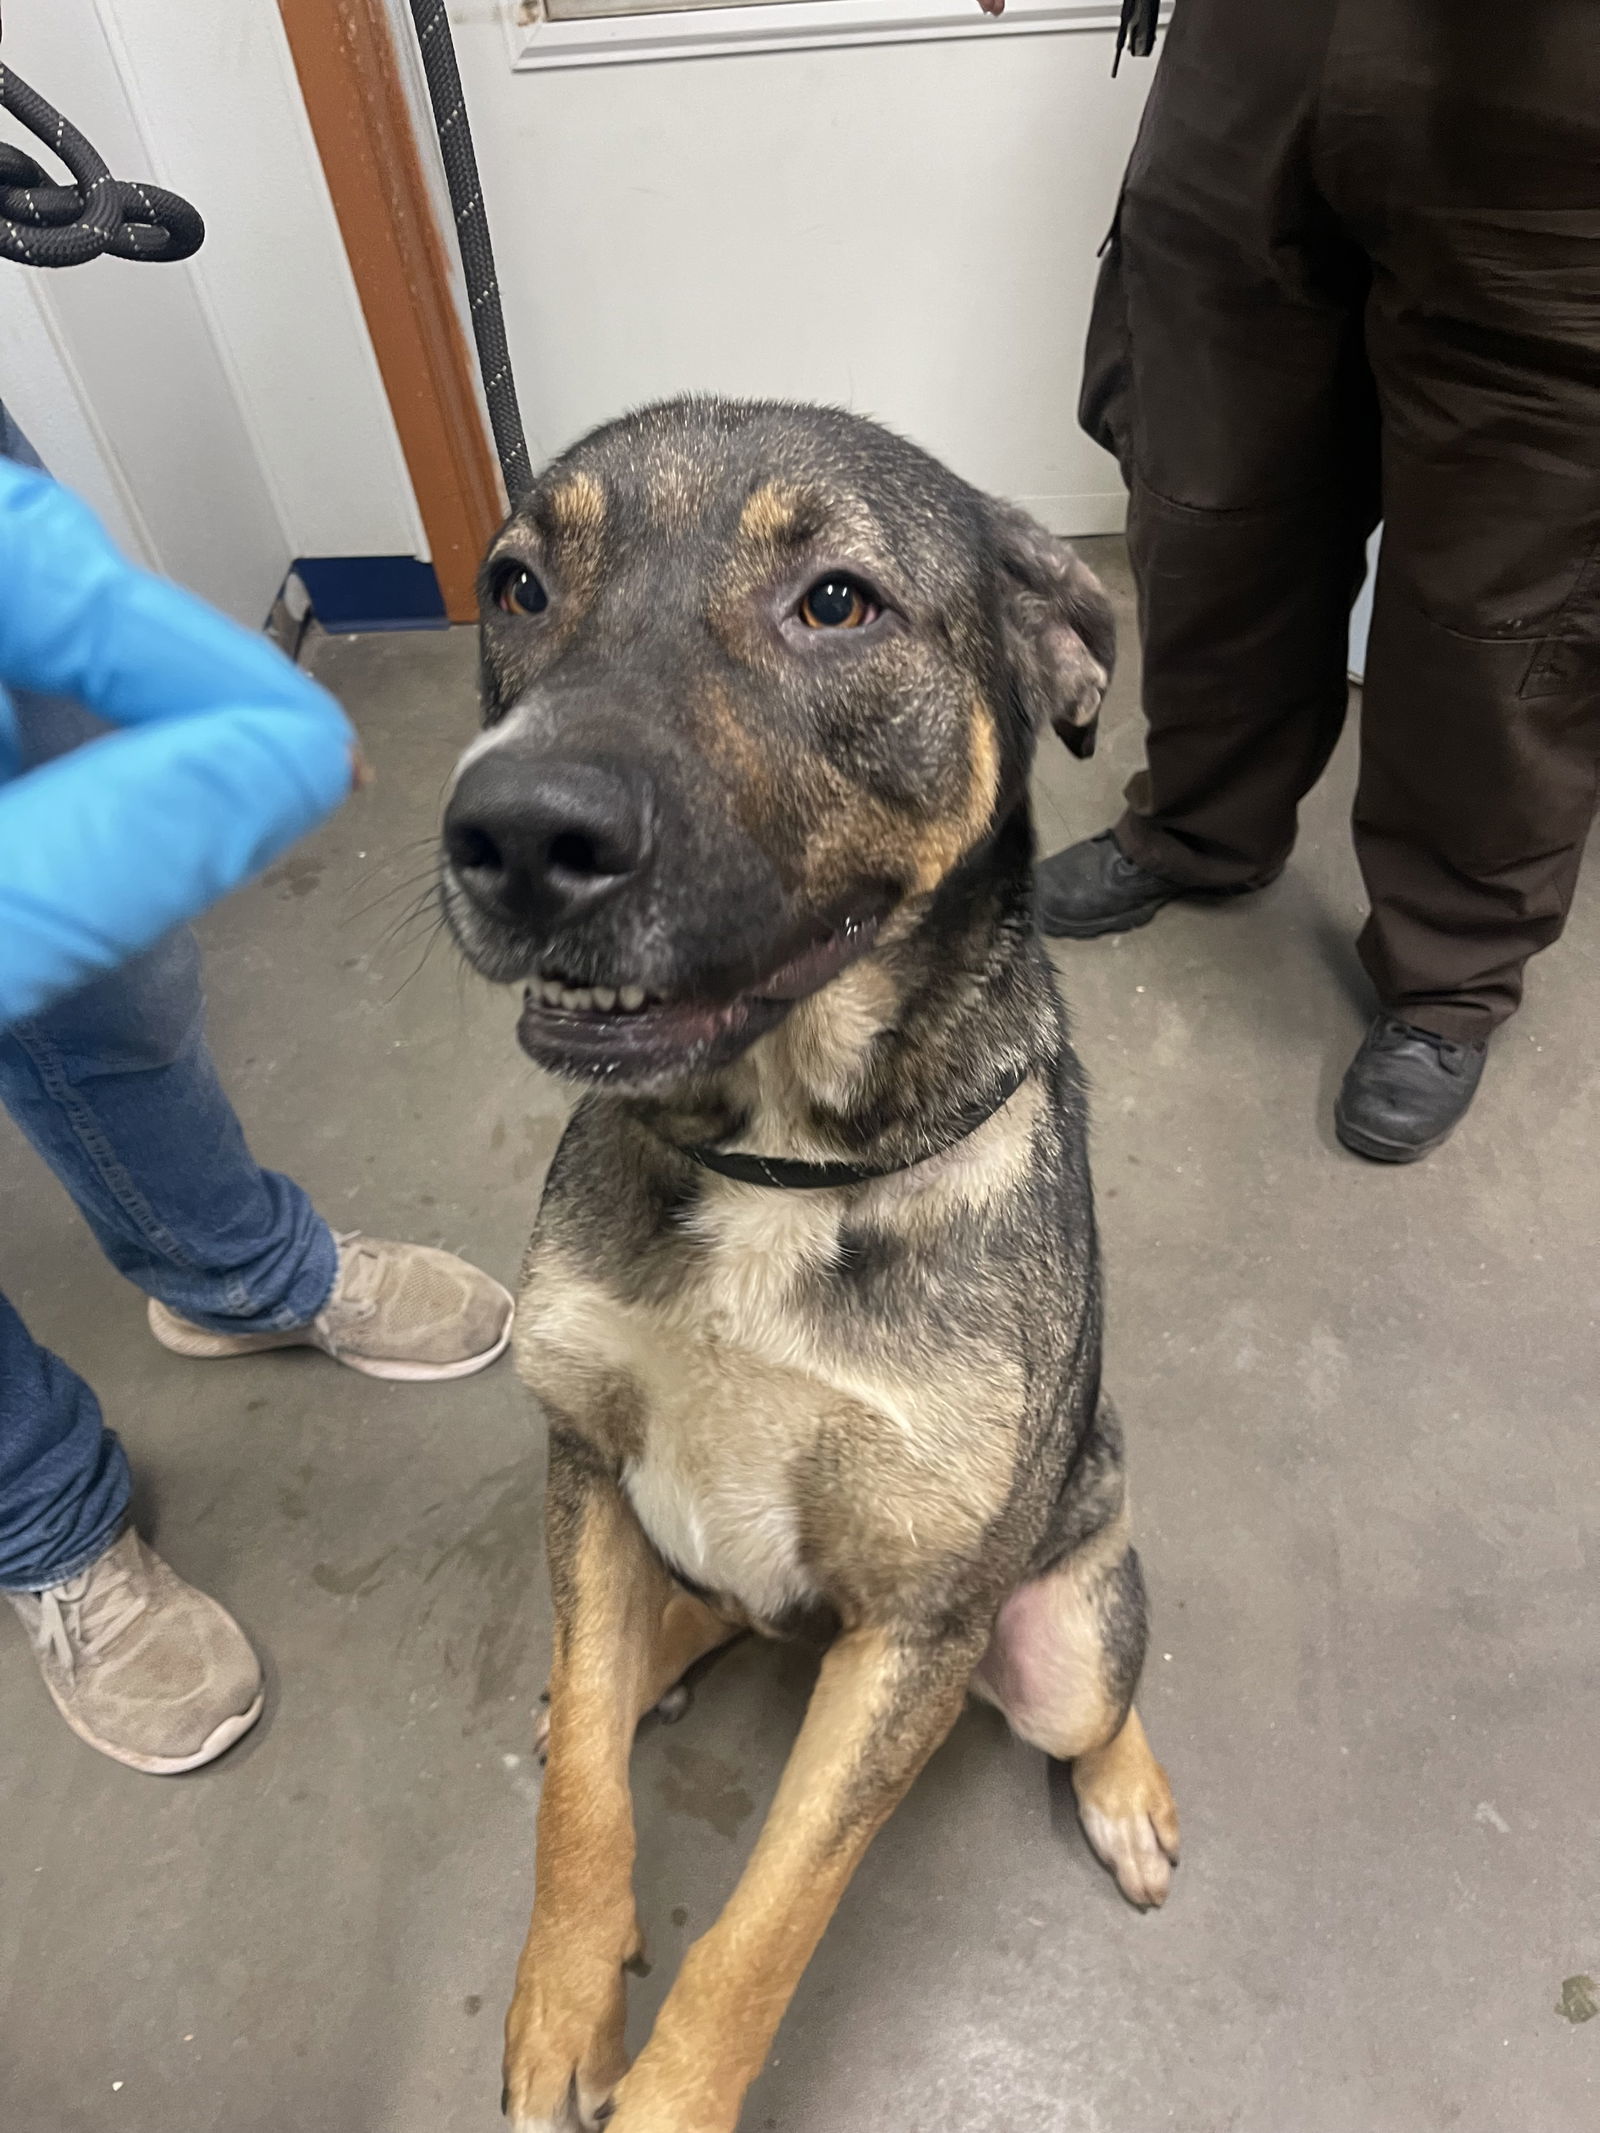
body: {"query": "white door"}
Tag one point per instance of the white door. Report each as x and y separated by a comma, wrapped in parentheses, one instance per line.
(895, 205)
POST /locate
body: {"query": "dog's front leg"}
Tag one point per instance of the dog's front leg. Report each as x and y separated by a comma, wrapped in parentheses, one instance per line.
(564, 2050)
(882, 1704)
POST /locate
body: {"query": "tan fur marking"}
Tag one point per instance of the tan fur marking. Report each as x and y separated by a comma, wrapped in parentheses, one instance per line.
(718, 2020)
(770, 514)
(577, 518)
(687, 1631)
(1128, 1813)
(566, 2016)
(578, 507)
(729, 744)
(859, 835)
(817, 1055)
(950, 842)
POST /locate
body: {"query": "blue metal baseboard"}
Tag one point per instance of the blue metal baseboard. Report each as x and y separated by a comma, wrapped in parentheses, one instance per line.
(372, 592)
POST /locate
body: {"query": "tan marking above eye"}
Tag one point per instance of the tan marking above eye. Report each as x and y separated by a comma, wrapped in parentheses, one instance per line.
(579, 504)
(771, 514)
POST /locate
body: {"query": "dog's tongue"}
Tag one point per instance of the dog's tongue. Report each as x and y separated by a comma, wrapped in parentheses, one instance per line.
(814, 966)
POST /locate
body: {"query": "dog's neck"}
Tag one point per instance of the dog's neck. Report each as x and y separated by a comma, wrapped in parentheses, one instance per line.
(872, 1068)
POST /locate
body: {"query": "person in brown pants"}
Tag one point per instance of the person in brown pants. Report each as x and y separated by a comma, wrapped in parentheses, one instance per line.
(1355, 273)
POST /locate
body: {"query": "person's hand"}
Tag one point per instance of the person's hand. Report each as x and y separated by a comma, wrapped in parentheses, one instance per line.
(226, 753)
(993, 7)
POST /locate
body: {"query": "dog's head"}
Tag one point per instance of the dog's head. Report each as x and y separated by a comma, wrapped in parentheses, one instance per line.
(756, 679)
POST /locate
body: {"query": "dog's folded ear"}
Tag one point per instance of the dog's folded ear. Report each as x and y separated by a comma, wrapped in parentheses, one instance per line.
(1060, 636)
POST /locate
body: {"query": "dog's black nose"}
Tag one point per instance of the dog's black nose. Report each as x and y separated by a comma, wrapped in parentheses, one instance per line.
(539, 841)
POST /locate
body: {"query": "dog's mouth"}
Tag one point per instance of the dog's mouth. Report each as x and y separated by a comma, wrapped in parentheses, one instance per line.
(629, 1032)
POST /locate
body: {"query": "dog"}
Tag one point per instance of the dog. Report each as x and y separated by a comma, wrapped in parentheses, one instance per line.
(813, 1303)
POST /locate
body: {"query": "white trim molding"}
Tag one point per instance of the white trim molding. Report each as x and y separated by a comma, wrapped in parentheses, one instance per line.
(671, 32)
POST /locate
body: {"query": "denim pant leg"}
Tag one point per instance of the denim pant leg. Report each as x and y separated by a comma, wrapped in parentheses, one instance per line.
(116, 1089)
(63, 1477)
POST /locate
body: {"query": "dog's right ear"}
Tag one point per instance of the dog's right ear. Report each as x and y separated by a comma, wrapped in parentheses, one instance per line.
(1060, 635)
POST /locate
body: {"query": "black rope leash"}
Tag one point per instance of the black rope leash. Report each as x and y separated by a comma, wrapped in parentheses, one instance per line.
(47, 225)
(432, 21)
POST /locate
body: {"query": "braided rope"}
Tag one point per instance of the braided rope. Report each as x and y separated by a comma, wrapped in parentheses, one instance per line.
(46, 225)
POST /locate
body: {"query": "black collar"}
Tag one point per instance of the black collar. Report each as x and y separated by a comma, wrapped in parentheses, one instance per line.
(789, 1176)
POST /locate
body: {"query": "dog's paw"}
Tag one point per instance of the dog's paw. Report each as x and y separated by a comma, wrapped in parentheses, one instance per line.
(541, 2099)
(1131, 1820)
(570, 2119)
(1141, 1849)
(564, 2050)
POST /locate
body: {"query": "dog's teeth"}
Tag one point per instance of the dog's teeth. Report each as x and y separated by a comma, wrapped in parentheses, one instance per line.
(631, 998)
(604, 998)
(550, 994)
(578, 1000)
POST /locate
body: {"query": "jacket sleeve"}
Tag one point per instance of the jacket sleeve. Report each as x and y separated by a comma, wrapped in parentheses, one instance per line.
(227, 752)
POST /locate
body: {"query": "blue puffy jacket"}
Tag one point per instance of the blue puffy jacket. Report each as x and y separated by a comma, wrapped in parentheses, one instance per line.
(226, 753)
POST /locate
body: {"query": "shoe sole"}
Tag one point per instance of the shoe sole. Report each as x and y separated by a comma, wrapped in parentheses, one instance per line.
(1085, 929)
(218, 1742)
(1381, 1151)
(425, 1373)
(198, 1346)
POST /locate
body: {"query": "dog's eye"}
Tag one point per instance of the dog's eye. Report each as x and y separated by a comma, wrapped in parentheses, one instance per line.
(519, 592)
(838, 603)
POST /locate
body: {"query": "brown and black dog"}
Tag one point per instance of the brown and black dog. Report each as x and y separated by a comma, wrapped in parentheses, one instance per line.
(812, 1306)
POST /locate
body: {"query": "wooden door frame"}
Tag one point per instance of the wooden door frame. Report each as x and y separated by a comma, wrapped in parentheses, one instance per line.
(361, 118)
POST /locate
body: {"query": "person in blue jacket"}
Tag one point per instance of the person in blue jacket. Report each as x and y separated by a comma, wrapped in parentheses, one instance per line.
(152, 757)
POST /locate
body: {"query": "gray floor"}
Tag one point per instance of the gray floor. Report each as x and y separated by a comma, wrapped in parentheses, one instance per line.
(1362, 1410)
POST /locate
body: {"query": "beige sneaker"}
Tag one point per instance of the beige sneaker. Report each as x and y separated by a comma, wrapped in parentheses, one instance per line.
(141, 1666)
(397, 1311)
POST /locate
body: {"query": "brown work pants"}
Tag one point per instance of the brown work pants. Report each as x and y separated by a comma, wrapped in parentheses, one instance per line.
(1355, 272)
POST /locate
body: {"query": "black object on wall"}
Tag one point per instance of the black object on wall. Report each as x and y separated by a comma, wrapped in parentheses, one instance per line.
(432, 21)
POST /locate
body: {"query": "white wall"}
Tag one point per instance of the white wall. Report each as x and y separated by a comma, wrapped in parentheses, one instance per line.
(909, 229)
(226, 413)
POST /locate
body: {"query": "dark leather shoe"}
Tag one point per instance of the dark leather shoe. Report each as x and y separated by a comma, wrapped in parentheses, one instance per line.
(1093, 888)
(1406, 1091)
(1090, 888)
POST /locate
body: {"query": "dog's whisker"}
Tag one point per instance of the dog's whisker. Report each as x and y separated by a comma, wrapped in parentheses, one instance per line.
(416, 968)
(399, 888)
(421, 906)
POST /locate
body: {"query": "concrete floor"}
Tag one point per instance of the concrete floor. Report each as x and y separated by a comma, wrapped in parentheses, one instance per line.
(1362, 1413)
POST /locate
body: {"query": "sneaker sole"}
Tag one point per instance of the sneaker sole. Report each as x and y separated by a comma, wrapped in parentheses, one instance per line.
(216, 1743)
(198, 1346)
(378, 1366)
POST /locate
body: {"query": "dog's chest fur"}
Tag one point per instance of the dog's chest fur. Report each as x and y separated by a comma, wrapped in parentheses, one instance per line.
(774, 1456)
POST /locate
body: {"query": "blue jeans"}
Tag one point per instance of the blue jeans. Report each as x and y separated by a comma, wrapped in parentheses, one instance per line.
(116, 1089)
